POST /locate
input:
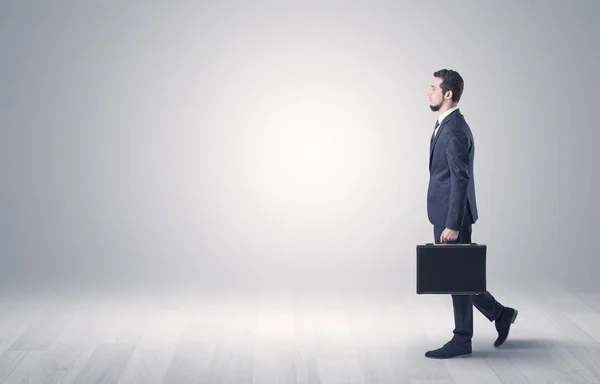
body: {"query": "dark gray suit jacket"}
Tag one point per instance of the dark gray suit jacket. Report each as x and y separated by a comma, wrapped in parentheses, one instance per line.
(451, 192)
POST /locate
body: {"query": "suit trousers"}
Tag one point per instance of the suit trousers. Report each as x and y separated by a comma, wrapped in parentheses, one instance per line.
(463, 304)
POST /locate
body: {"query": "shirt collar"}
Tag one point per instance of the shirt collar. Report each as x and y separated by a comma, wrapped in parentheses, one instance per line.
(445, 114)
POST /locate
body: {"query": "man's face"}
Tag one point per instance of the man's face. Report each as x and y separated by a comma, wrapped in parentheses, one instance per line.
(436, 98)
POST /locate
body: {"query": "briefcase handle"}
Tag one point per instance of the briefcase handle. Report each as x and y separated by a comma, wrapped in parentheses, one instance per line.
(450, 244)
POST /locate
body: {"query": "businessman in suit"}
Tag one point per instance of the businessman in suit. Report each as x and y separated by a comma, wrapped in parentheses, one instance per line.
(452, 208)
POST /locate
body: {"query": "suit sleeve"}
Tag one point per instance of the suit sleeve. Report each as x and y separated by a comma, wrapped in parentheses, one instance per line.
(457, 153)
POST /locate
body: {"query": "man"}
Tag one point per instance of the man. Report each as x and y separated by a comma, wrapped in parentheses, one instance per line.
(452, 209)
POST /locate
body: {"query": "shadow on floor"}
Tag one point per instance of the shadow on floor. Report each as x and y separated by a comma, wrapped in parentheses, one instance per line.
(542, 348)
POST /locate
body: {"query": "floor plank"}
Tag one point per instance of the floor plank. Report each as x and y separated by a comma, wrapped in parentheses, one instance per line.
(25, 372)
(284, 338)
(18, 318)
(9, 361)
(151, 358)
(588, 358)
(45, 328)
(106, 364)
(190, 362)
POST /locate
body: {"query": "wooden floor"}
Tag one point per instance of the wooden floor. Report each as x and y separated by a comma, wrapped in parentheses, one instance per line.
(288, 338)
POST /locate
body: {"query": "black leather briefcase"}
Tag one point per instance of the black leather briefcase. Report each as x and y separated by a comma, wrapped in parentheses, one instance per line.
(458, 269)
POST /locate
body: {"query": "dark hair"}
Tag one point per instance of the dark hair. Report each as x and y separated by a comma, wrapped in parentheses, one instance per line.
(451, 81)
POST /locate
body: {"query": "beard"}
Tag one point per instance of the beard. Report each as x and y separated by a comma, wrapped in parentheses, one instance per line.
(436, 108)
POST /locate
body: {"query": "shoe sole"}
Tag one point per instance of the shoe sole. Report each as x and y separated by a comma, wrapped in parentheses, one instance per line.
(512, 321)
(453, 357)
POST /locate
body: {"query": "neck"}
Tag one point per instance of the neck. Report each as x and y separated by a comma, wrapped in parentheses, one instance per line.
(446, 107)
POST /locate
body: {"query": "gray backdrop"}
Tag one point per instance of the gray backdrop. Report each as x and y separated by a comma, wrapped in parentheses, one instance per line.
(236, 145)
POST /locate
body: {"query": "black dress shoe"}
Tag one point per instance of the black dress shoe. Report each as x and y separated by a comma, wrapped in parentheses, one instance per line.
(449, 350)
(503, 323)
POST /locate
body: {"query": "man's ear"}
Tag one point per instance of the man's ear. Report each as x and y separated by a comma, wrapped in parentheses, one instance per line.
(448, 95)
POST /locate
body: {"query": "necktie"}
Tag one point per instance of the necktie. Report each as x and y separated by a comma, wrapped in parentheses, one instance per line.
(437, 124)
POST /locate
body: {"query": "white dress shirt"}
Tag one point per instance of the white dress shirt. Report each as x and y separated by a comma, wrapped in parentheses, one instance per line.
(443, 116)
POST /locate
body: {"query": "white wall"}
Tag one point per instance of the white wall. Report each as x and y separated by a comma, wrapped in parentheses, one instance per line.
(286, 143)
